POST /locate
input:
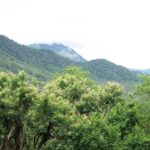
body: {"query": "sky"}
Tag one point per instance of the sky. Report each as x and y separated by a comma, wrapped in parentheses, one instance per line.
(116, 30)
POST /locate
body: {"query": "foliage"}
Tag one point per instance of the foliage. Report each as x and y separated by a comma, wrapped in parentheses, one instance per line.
(16, 99)
(71, 112)
(142, 96)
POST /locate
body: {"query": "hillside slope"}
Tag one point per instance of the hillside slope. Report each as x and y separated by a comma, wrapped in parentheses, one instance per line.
(34, 61)
(105, 70)
(44, 63)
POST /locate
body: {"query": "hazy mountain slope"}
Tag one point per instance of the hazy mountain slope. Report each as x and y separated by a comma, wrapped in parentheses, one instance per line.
(10, 64)
(147, 71)
(139, 71)
(61, 50)
(105, 70)
(44, 63)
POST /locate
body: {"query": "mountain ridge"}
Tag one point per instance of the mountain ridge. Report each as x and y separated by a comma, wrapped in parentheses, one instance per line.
(141, 71)
(43, 64)
(60, 49)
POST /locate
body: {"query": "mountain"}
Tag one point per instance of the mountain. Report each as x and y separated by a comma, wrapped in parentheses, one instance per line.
(104, 70)
(40, 63)
(145, 71)
(140, 71)
(43, 64)
(61, 50)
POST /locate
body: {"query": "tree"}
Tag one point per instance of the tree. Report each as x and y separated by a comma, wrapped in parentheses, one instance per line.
(142, 96)
(16, 99)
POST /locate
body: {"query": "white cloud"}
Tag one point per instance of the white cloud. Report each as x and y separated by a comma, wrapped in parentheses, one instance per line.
(116, 30)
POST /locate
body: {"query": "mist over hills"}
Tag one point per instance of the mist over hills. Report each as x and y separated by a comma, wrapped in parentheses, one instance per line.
(141, 71)
(44, 63)
(61, 50)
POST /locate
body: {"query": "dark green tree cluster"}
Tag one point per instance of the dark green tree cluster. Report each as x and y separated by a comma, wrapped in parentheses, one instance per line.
(71, 112)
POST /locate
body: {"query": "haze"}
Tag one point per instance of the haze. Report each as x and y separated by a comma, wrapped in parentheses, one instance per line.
(116, 30)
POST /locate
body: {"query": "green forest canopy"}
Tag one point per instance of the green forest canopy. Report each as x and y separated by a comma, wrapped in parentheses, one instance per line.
(72, 112)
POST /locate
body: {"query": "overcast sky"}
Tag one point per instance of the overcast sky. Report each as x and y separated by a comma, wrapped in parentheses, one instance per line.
(117, 30)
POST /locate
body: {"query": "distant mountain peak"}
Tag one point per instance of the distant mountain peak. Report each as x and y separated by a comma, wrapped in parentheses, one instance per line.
(60, 49)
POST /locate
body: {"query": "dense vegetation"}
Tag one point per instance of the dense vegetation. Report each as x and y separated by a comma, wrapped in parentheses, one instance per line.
(72, 112)
(104, 70)
(43, 64)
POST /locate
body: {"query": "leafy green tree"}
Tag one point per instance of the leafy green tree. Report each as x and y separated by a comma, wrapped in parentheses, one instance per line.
(124, 120)
(142, 95)
(90, 132)
(16, 99)
(110, 95)
(144, 87)
(52, 119)
(70, 85)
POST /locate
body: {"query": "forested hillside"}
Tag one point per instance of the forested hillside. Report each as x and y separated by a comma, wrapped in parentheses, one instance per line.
(43, 64)
(39, 63)
(102, 69)
(72, 112)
